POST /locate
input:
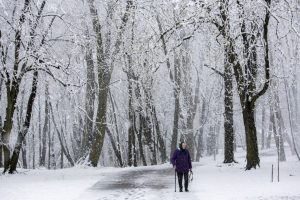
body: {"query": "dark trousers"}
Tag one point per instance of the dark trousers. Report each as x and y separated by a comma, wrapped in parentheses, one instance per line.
(186, 179)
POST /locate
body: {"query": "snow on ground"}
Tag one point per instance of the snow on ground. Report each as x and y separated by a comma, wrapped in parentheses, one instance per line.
(212, 181)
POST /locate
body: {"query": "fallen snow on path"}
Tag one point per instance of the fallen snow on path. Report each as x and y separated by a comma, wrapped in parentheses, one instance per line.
(212, 181)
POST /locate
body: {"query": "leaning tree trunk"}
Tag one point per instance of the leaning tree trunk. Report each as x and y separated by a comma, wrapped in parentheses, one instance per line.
(115, 145)
(103, 81)
(12, 165)
(162, 146)
(63, 144)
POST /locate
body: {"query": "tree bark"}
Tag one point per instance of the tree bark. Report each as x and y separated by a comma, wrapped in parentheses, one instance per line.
(228, 114)
(251, 137)
(131, 115)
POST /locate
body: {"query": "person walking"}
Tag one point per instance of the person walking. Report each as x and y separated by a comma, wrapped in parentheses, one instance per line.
(181, 161)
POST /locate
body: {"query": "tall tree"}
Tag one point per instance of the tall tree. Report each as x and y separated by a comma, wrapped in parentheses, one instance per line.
(104, 76)
(245, 74)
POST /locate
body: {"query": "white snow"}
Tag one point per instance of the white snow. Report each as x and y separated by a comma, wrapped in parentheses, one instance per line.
(212, 181)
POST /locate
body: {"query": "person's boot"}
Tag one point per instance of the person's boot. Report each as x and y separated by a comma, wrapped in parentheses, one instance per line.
(187, 190)
(180, 190)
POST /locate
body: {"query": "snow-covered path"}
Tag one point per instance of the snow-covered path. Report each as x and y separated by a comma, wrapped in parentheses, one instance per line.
(212, 181)
(155, 182)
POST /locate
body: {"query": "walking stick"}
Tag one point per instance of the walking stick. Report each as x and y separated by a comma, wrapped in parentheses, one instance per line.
(175, 180)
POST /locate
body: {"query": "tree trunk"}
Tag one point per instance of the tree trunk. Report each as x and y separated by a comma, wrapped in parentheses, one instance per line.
(61, 139)
(40, 132)
(290, 120)
(285, 134)
(176, 88)
(1, 157)
(176, 105)
(268, 141)
(200, 144)
(61, 157)
(131, 116)
(228, 114)
(140, 133)
(33, 149)
(22, 133)
(117, 148)
(263, 121)
(162, 146)
(24, 155)
(89, 102)
(46, 129)
(52, 152)
(49, 146)
(251, 137)
(279, 136)
(190, 101)
(147, 130)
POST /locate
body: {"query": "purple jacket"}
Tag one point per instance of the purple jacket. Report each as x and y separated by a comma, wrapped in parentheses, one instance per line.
(182, 160)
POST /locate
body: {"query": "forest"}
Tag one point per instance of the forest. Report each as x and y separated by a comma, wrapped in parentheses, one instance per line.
(121, 82)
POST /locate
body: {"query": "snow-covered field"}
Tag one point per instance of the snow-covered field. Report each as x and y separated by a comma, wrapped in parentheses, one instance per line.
(212, 181)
